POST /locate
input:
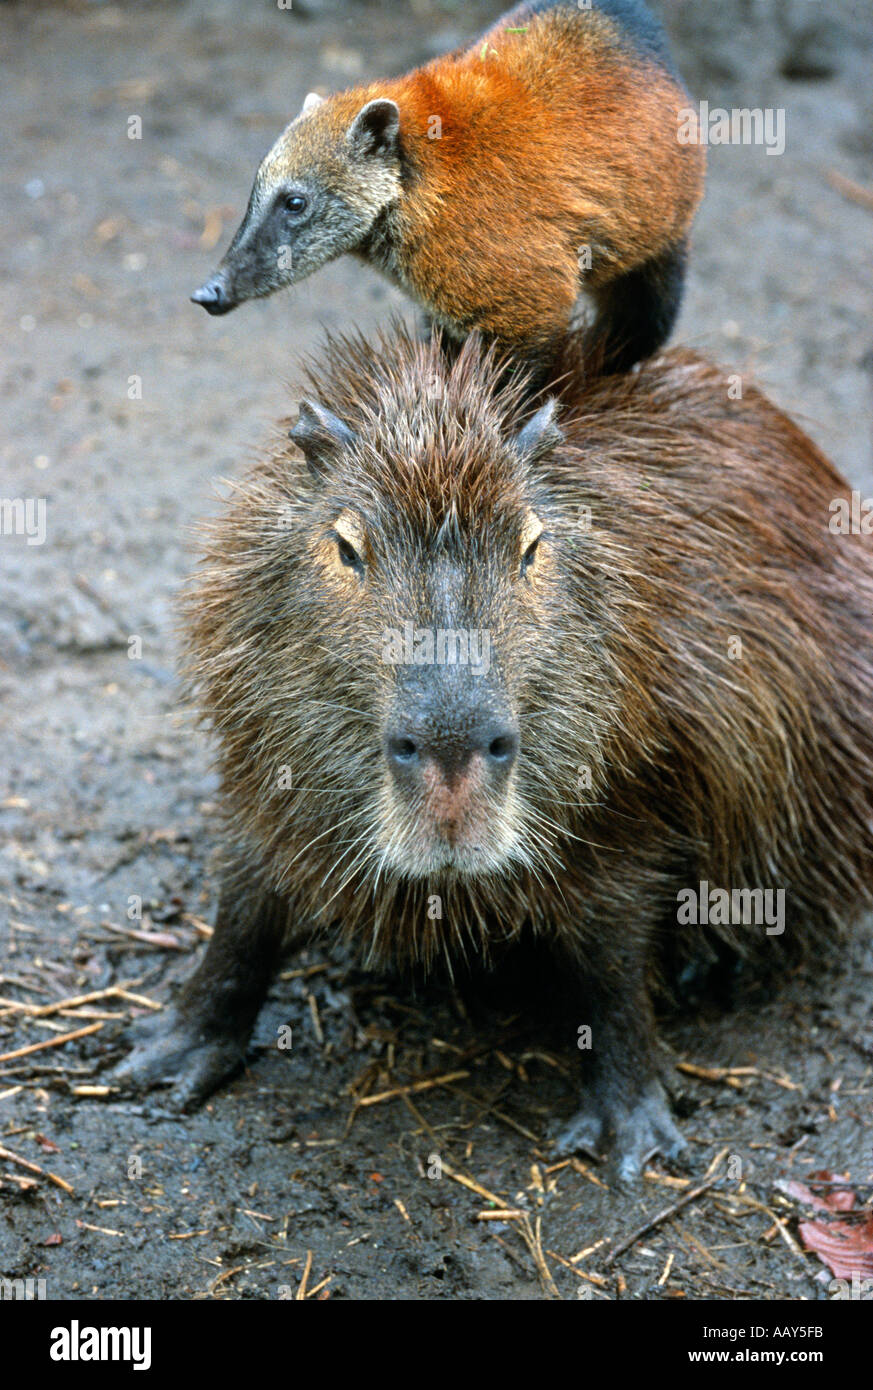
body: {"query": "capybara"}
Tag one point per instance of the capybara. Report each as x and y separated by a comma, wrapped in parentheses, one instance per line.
(590, 675)
(496, 185)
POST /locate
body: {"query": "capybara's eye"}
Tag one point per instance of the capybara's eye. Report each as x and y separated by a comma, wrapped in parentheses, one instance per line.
(296, 203)
(349, 555)
(529, 556)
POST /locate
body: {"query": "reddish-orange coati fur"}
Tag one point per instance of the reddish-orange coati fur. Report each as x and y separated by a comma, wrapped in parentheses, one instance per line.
(677, 687)
(495, 185)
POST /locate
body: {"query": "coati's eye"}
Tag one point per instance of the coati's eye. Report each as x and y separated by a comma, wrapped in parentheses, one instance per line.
(531, 534)
(296, 204)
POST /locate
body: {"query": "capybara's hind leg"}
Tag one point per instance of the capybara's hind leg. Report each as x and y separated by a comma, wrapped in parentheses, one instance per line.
(202, 1038)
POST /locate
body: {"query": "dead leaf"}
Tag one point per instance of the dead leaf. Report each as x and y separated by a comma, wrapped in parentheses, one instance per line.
(846, 1247)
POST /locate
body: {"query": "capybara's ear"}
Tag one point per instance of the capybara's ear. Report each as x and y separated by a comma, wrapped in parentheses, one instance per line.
(541, 433)
(376, 128)
(320, 435)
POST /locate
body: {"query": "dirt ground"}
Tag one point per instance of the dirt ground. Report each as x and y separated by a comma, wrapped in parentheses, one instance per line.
(106, 788)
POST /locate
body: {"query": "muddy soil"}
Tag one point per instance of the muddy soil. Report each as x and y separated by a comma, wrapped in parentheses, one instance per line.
(123, 406)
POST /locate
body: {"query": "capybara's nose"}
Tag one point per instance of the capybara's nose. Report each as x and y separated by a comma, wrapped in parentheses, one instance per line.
(411, 744)
(212, 296)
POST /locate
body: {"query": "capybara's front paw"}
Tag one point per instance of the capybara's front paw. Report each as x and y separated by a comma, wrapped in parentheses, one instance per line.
(633, 1131)
(171, 1050)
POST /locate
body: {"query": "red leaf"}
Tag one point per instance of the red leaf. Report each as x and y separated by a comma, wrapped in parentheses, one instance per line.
(825, 1199)
(845, 1249)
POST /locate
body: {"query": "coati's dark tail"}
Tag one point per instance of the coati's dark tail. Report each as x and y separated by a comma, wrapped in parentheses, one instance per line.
(636, 313)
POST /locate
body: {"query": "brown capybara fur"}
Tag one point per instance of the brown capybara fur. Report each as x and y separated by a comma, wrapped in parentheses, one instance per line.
(495, 185)
(674, 688)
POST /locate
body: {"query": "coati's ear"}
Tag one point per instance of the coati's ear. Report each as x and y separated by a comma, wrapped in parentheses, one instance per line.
(376, 128)
(320, 435)
(310, 102)
(540, 434)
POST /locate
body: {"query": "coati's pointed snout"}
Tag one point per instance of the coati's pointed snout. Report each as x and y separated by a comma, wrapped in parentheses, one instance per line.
(214, 297)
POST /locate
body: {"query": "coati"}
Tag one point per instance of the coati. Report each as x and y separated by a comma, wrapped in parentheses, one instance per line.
(555, 671)
(495, 185)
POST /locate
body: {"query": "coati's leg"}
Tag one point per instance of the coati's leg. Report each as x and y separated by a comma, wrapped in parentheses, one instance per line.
(636, 312)
(624, 1107)
(202, 1038)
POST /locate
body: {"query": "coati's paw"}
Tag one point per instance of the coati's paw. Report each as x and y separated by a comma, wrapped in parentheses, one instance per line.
(170, 1051)
(632, 1131)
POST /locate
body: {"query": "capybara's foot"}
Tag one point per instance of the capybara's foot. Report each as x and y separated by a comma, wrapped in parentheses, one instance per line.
(632, 1131)
(171, 1050)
